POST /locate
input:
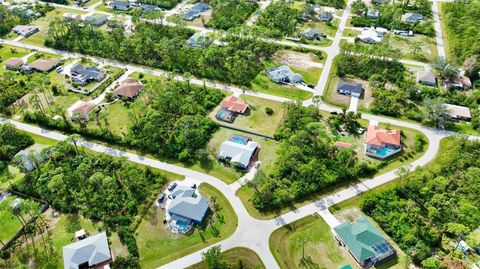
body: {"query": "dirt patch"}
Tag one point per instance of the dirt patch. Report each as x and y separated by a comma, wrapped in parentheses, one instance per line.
(304, 61)
(349, 214)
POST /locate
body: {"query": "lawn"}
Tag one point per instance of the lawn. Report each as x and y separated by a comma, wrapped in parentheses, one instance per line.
(263, 84)
(43, 24)
(159, 246)
(267, 154)
(7, 52)
(321, 249)
(330, 29)
(249, 259)
(350, 32)
(9, 223)
(427, 53)
(256, 117)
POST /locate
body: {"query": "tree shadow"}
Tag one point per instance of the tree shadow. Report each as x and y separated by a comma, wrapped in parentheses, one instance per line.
(307, 262)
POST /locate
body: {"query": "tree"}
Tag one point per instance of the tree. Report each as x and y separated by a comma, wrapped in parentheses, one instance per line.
(213, 258)
(416, 47)
(359, 7)
(444, 69)
(435, 113)
(317, 100)
(302, 240)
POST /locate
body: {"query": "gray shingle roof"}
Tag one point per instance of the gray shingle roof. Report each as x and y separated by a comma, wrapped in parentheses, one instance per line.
(349, 87)
(92, 250)
(187, 206)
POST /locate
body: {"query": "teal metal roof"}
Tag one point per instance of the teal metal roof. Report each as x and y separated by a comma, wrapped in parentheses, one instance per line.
(360, 237)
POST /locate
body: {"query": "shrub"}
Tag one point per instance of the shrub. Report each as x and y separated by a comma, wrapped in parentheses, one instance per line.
(269, 111)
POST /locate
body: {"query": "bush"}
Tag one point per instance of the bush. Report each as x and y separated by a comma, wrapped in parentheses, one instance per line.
(269, 111)
(127, 238)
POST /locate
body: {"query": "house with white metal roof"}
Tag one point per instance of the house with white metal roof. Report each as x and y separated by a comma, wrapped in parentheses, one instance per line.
(92, 251)
(239, 150)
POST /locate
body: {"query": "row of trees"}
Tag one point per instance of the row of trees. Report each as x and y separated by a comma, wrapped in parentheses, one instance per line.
(430, 209)
(12, 141)
(238, 62)
(308, 161)
(230, 13)
(390, 16)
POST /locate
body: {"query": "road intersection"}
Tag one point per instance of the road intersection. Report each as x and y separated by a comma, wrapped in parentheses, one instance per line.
(253, 233)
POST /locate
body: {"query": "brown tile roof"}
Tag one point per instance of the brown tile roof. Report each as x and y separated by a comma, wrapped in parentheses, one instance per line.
(341, 144)
(14, 62)
(44, 65)
(129, 88)
(233, 104)
(376, 136)
(84, 108)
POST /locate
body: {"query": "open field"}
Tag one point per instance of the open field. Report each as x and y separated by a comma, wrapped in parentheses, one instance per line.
(249, 259)
(158, 246)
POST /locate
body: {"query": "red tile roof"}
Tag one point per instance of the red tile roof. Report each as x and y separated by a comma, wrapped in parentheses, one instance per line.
(341, 144)
(233, 104)
(376, 136)
(129, 88)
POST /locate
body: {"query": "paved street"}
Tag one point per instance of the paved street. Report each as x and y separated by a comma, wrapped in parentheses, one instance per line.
(253, 233)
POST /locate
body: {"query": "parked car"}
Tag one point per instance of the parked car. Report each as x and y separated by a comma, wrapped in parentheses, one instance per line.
(59, 69)
(172, 186)
(162, 198)
(193, 186)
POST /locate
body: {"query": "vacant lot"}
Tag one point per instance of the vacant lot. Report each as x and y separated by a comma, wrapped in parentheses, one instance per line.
(249, 259)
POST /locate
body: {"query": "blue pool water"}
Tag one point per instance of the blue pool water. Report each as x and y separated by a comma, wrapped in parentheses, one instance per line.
(182, 224)
(239, 139)
(384, 152)
(221, 114)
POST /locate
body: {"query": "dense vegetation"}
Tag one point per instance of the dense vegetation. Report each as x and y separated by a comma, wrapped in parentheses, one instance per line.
(308, 161)
(167, 4)
(231, 13)
(390, 17)
(461, 20)
(280, 18)
(165, 47)
(434, 206)
(98, 186)
(12, 141)
(329, 3)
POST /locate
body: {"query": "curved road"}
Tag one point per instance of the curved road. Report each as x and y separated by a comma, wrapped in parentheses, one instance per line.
(253, 233)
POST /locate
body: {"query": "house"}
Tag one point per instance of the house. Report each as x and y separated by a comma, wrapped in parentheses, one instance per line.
(84, 75)
(44, 65)
(283, 74)
(458, 113)
(463, 247)
(232, 103)
(81, 109)
(325, 16)
(239, 150)
(72, 16)
(146, 8)
(371, 36)
(199, 41)
(426, 78)
(373, 13)
(412, 17)
(195, 11)
(403, 32)
(91, 252)
(120, 5)
(28, 159)
(364, 242)
(25, 30)
(352, 89)
(186, 207)
(459, 83)
(381, 143)
(129, 88)
(314, 34)
(13, 63)
(96, 20)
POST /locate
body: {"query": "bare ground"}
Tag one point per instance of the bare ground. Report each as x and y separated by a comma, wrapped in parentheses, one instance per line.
(304, 61)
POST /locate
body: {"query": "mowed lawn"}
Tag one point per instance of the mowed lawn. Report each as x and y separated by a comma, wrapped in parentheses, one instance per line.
(7, 52)
(321, 249)
(158, 246)
(9, 223)
(248, 258)
(263, 84)
(256, 119)
(268, 147)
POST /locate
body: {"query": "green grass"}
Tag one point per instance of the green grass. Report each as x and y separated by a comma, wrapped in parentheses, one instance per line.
(330, 29)
(263, 84)
(255, 118)
(9, 223)
(267, 154)
(321, 250)
(350, 33)
(427, 53)
(159, 246)
(249, 259)
(7, 52)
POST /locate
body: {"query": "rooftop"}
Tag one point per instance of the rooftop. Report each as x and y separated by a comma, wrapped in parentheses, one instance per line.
(14, 62)
(238, 153)
(458, 111)
(44, 65)
(232, 103)
(378, 136)
(92, 250)
(129, 88)
(186, 205)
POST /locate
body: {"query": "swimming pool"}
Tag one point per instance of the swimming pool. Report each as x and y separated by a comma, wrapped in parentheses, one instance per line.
(239, 139)
(182, 224)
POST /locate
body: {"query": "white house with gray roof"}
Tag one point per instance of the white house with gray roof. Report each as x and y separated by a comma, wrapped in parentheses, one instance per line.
(92, 251)
(412, 17)
(283, 74)
(186, 207)
(346, 88)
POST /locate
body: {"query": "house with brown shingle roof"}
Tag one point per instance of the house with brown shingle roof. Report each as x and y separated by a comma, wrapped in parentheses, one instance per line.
(81, 109)
(129, 88)
(381, 143)
(44, 65)
(13, 63)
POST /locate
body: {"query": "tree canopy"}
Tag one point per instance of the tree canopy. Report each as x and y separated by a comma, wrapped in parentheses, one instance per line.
(12, 141)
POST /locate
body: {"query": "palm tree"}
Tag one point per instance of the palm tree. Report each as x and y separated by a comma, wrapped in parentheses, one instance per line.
(304, 238)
